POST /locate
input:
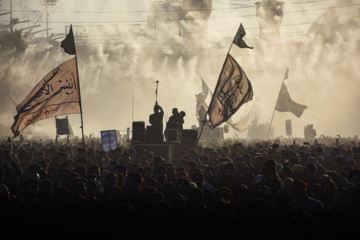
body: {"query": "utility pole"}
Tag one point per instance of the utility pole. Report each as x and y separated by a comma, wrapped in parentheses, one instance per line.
(11, 27)
(179, 18)
(47, 20)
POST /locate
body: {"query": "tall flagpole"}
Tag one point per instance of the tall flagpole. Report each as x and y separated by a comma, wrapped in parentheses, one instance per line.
(271, 121)
(81, 112)
(272, 118)
(132, 107)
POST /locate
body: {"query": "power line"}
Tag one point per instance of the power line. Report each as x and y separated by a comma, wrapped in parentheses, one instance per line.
(285, 25)
(158, 11)
(177, 10)
(301, 2)
(133, 12)
(176, 20)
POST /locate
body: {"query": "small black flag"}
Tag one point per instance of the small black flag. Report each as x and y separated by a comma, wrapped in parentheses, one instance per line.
(68, 44)
(238, 39)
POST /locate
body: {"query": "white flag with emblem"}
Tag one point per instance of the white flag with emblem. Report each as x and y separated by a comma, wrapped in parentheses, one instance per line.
(233, 89)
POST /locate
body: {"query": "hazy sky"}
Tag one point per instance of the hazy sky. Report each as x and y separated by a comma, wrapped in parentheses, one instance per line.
(224, 20)
(111, 81)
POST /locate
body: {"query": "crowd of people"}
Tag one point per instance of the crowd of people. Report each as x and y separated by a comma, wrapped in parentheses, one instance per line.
(247, 187)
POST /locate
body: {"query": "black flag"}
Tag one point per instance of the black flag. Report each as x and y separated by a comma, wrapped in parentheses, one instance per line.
(286, 104)
(238, 39)
(68, 44)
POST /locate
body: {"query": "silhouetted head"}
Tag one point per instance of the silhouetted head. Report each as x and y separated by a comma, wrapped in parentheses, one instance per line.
(175, 110)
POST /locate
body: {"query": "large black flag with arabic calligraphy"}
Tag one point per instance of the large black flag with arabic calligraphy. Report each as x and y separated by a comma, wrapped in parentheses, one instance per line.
(56, 94)
(233, 89)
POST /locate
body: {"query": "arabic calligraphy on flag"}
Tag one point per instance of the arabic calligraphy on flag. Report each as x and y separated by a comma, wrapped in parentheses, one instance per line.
(56, 94)
(233, 89)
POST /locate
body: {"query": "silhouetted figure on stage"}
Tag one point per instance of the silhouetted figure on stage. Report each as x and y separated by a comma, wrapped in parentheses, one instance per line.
(181, 119)
(174, 117)
(175, 125)
(177, 117)
(155, 131)
(156, 119)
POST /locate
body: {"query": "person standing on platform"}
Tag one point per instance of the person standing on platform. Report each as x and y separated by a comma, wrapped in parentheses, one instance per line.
(177, 117)
(156, 119)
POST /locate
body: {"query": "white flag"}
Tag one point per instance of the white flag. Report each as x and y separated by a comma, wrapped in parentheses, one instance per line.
(233, 89)
(56, 94)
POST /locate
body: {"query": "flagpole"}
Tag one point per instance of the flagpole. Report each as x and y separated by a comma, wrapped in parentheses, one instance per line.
(81, 112)
(202, 126)
(80, 102)
(207, 112)
(274, 111)
(285, 77)
(132, 107)
(271, 122)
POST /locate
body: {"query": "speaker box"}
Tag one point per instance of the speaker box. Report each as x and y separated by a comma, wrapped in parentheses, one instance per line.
(173, 135)
(189, 139)
(172, 132)
(152, 137)
(139, 132)
(172, 125)
(189, 134)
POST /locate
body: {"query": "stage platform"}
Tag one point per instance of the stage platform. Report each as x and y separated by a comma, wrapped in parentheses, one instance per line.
(166, 148)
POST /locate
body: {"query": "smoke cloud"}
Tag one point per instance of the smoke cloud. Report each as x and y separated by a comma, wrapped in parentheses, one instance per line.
(118, 62)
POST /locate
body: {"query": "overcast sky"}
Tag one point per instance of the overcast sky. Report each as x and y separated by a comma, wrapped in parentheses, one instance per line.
(224, 20)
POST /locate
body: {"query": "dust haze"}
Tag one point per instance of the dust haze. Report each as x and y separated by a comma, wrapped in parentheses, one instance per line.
(119, 63)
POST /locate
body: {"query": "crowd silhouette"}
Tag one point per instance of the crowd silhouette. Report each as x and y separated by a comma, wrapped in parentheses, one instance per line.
(260, 188)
